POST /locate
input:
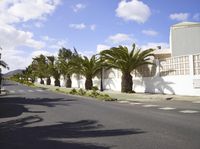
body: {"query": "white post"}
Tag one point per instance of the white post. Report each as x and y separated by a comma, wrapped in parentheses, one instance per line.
(191, 65)
(157, 63)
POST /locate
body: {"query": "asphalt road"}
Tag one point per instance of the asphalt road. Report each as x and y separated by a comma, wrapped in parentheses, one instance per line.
(32, 118)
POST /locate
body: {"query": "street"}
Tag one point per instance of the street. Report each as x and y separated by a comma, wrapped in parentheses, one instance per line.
(34, 118)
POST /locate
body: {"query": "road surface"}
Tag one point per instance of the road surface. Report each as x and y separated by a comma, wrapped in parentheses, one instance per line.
(33, 118)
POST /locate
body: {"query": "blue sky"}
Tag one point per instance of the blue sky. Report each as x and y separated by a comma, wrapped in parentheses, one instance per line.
(31, 27)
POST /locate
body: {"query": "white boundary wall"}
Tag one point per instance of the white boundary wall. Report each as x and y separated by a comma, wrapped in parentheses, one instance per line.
(188, 84)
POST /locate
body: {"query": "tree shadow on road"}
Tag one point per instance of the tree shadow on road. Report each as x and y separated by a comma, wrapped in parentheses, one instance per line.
(15, 106)
(17, 134)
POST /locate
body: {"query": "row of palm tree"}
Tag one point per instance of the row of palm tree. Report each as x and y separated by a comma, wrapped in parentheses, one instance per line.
(68, 63)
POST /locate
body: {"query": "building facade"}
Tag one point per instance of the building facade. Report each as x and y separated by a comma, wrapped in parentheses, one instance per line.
(185, 38)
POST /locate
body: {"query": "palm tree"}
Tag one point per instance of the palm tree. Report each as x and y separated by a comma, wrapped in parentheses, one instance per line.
(86, 67)
(4, 65)
(53, 70)
(30, 73)
(40, 67)
(64, 57)
(120, 58)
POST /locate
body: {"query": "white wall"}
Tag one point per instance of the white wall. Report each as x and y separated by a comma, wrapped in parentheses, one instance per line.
(185, 39)
(180, 85)
(169, 84)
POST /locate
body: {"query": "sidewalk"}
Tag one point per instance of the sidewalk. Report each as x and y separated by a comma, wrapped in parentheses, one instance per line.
(146, 97)
(139, 97)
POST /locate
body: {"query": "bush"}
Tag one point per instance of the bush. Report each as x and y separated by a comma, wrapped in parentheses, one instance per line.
(81, 92)
(131, 92)
(95, 88)
(94, 93)
(73, 92)
(106, 97)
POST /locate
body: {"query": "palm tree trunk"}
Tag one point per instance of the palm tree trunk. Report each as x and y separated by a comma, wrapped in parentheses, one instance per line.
(127, 83)
(0, 80)
(33, 80)
(88, 83)
(57, 82)
(69, 81)
(41, 81)
(48, 81)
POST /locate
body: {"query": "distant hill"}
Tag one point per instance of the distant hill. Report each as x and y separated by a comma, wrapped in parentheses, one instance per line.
(11, 73)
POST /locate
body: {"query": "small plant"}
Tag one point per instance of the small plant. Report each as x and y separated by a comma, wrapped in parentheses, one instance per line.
(94, 93)
(81, 92)
(73, 92)
(58, 89)
(131, 92)
(106, 97)
(95, 88)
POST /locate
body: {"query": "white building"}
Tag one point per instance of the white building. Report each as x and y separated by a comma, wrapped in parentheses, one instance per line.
(185, 38)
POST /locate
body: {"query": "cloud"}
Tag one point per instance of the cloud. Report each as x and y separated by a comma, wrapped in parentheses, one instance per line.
(101, 47)
(155, 45)
(57, 44)
(88, 53)
(80, 26)
(44, 52)
(120, 38)
(150, 32)
(16, 11)
(78, 7)
(39, 24)
(196, 17)
(179, 16)
(133, 10)
(13, 39)
(93, 27)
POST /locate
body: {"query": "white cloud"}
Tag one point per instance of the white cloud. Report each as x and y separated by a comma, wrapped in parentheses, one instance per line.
(101, 47)
(78, 7)
(57, 44)
(150, 32)
(80, 26)
(12, 39)
(179, 16)
(44, 52)
(133, 10)
(16, 11)
(88, 53)
(155, 45)
(119, 38)
(38, 24)
(196, 17)
(93, 27)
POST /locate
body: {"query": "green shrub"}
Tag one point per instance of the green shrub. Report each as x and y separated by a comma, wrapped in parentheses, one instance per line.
(94, 93)
(73, 92)
(131, 92)
(95, 88)
(81, 92)
(106, 97)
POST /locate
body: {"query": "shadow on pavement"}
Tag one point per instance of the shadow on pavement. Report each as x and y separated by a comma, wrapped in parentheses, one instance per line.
(17, 134)
(15, 106)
